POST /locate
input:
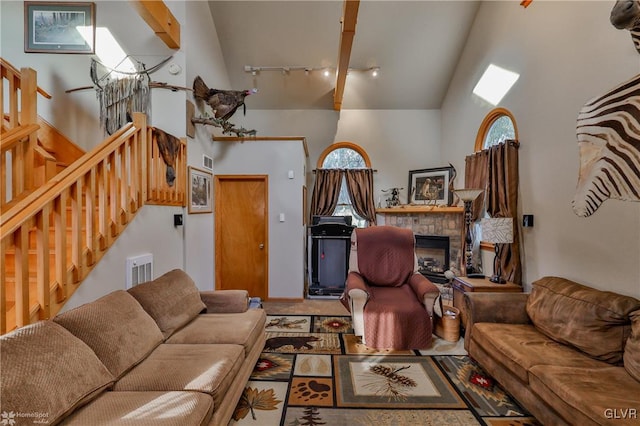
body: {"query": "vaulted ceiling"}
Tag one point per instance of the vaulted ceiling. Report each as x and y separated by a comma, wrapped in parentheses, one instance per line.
(416, 44)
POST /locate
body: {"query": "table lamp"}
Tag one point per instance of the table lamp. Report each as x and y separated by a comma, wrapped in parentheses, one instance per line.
(467, 196)
(499, 231)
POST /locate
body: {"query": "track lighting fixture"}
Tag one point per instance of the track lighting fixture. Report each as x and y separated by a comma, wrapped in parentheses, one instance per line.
(326, 71)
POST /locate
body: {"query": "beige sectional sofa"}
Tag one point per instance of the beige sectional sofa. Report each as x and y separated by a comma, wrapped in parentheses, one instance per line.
(568, 353)
(162, 353)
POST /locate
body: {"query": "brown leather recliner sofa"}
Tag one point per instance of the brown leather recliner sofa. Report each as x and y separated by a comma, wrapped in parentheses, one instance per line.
(568, 353)
(162, 353)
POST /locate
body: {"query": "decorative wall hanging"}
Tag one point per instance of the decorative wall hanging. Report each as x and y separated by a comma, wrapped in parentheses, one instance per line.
(121, 93)
(59, 27)
(431, 186)
(607, 133)
(625, 15)
(223, 103)
(119, 98)
(609, 148)
(200, 191)
(168, 145)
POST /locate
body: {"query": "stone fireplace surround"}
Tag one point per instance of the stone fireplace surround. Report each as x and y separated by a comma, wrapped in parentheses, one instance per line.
(430, 220)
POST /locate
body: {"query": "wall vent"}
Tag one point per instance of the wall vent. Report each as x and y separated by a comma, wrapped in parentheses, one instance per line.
(139, 269)
(207, 162)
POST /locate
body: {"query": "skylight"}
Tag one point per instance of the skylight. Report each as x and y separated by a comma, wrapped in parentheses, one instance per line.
(495, 83)
(108, 49)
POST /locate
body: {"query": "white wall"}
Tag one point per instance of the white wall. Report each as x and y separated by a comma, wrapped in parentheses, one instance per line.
(204, 58)
(566, 54)
(286, 239)
(151, 231)
(395, 140)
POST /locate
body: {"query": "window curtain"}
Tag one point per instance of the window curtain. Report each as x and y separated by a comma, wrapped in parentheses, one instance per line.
(495, 169)
(502, 201)
(326, 191)
(360, 187)
(475, 176)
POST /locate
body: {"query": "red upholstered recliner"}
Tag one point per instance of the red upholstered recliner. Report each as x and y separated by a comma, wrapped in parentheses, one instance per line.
(391, 304)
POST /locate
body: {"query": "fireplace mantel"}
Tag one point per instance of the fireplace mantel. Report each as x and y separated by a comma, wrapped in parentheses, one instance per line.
(430, 220)
(419, 209)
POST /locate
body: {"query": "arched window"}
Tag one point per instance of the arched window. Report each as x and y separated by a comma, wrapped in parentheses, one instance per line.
(345, 155)
(498, 126)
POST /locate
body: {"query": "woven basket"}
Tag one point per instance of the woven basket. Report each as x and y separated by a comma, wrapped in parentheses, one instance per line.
(448, 327)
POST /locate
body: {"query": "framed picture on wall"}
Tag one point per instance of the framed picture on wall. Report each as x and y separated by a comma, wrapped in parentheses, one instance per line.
(431, 186)
(51, 27)
(200, 191)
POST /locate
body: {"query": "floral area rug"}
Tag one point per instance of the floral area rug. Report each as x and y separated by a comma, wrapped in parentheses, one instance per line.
(314, 371)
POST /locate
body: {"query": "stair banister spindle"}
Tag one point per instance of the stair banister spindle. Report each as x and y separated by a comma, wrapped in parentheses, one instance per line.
(3, 285)
(21, 245)
(42, 250)
(60, 226)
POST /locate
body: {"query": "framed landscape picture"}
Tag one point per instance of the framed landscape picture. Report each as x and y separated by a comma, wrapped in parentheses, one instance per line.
(200, 191)
(430, 186)
(52, 27)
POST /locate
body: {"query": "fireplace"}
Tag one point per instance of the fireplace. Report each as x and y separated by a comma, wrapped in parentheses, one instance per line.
(432, 252)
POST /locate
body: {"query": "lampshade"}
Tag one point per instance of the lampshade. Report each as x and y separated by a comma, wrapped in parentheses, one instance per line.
(468, 194)
(497, 230)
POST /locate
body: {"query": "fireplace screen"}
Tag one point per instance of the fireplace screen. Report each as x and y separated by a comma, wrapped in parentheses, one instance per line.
(432, 252)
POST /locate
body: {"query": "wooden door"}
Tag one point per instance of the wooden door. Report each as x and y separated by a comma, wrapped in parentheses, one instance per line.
(241, 233)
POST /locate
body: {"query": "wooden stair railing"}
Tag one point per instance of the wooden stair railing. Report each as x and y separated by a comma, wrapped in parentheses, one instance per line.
(53, 235)
(83, 209)
(19, 134)
(58, 145)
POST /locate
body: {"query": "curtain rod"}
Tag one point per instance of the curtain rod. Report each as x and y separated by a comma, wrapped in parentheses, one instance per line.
(342, 170)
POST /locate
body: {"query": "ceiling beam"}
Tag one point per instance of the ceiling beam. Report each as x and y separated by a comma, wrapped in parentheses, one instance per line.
(158, 16)
(349, 19)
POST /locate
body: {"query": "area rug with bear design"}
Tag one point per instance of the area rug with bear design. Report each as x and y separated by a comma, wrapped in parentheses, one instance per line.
(314, 371)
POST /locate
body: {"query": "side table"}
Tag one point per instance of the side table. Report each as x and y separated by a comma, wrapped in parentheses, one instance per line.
(462, 285)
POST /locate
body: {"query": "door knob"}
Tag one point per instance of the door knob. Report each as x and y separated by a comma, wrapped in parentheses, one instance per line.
(261, 246)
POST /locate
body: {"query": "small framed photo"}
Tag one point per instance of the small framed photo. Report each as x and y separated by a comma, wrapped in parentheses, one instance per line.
(51, 27)
(200, 191)
(431, 186)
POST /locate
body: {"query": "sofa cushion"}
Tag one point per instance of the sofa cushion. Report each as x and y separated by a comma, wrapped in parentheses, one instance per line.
(204, 368)
(519, 347)
(588, 395)
(173, 300)
(596, 322)
(145, 409)
(239, 329)
(632, 349)
(116, 327)
(69, 373)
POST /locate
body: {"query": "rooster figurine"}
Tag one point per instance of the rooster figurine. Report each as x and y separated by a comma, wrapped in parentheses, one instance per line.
(223, 102)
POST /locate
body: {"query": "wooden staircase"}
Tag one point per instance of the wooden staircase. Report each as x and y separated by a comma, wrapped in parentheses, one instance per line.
(62, 209)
